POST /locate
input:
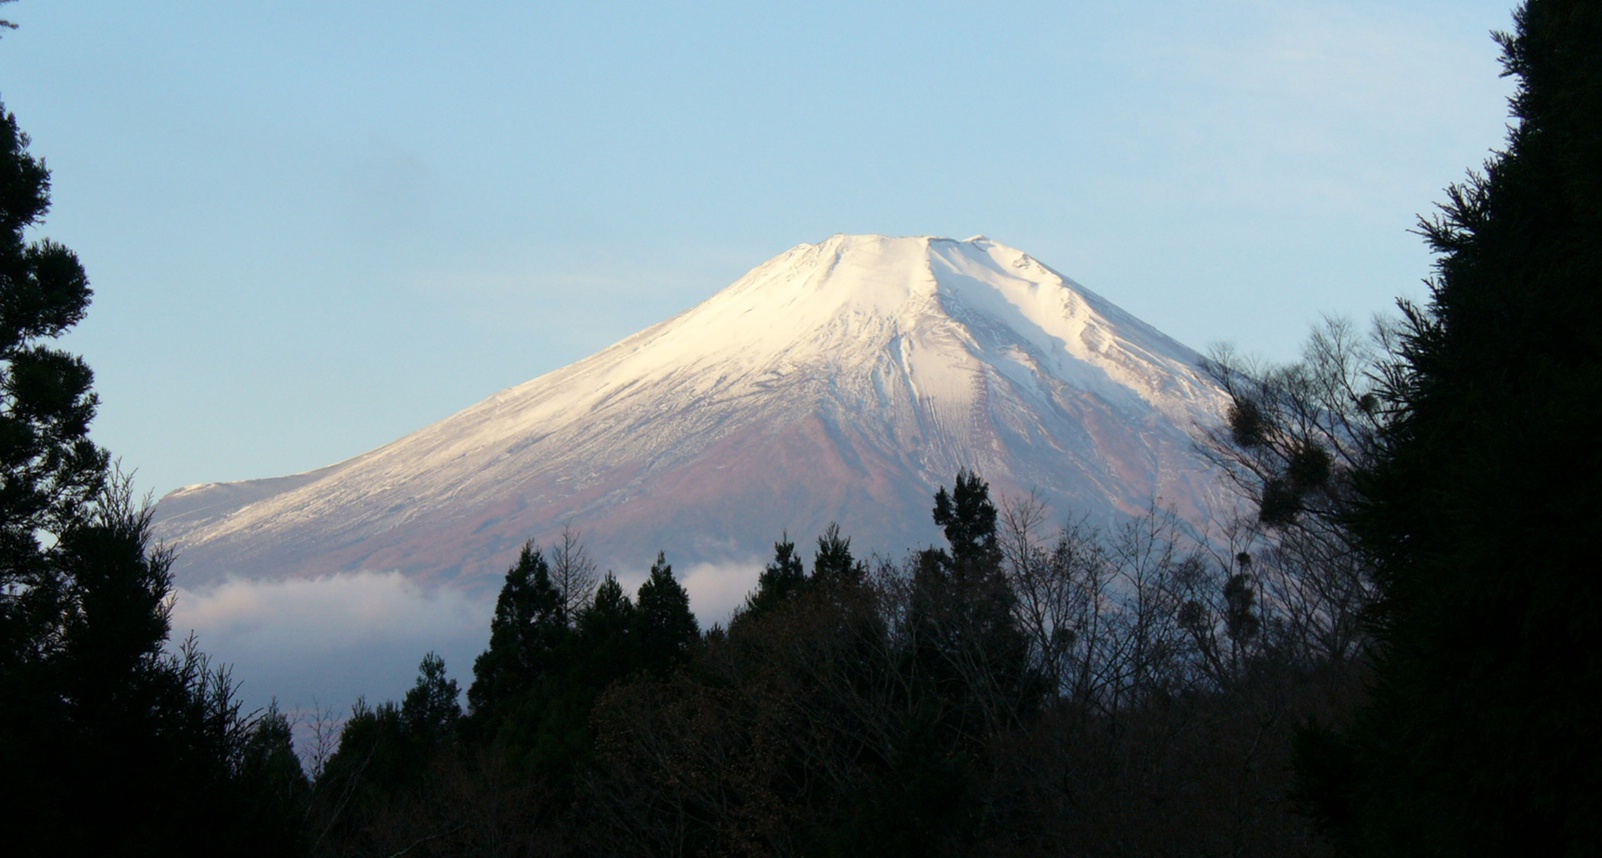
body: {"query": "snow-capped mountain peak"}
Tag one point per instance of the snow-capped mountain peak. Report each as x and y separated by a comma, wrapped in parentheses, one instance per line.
(839, 381)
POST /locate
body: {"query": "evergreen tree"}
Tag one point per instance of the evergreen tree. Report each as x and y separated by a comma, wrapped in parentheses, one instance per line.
(1479, 737)
(783, 578)
(276, 803)
(527, 636)
(50, 472)
(968, 519)
(94, 716)
(665, 627)
(607, 638)
(372, 764)
(385, 763)
(430, 709)
(101, 717)
(968, 643)
(833, 563)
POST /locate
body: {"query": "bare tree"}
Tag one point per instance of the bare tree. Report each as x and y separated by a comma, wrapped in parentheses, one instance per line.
(572, 572)
(323, 725)
(1293, 438)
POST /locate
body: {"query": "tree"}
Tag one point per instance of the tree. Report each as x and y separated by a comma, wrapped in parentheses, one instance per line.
(572, 573)
(608, 641)
(430, 709)
(782, 579)
(968, 519)
(1484, 491)
(50, 472)
(527, 637)
(1294, 439)
(276, 804)
(93, 713)
(968, 641)
(833, 563)
(1296, 433)
(666, 629)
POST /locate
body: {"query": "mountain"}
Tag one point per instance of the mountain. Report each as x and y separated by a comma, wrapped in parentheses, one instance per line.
(840, 381)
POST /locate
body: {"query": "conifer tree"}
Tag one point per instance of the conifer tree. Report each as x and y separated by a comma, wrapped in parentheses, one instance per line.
(527, 636)
(430, 709)
(666, 629)
(783, 578)
(968, 641)
(94, 716)
(608, 646)
(833, 562)
(50, 472)
(1479, 737)
(968, 519)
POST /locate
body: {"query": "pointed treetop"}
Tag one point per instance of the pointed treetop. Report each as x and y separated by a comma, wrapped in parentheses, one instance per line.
(667, 628)
(969, 519)
(833, 561)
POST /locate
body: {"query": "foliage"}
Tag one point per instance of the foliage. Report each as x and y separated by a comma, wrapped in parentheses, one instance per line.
(1483, 486)
(968, 519)
(94, 716)
(783, 578)
(833, 563)
(665, 627)
(100, 716)
(50, 472)
(1052, 691)
(527, 636)
(608, 636)
(388, 763)
(967, 645)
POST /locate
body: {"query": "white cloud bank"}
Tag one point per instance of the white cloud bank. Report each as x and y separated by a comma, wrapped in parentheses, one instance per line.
(324, 642)
(328, 641)
(716, 589)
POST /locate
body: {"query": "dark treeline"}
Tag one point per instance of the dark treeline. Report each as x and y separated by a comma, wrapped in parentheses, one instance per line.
(1021, 691)
(1392, 651)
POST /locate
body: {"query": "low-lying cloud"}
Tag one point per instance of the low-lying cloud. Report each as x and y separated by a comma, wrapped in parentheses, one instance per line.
(716, 589)
(318, 645)
(327, 641)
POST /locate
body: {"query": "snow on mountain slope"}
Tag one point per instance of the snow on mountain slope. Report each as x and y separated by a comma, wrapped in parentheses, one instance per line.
(840, 381)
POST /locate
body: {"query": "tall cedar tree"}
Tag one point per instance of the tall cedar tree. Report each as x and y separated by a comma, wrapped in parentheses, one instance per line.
(1482, 506)
(527, 637)
(833, 564)
(430, 709)
(50, 471)
(608, 641)
(783, 578)
(968, 519)
(968, 640)
(665, 627)
(94, 716)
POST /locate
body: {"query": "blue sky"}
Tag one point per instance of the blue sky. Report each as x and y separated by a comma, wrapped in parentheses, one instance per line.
(313, 227)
